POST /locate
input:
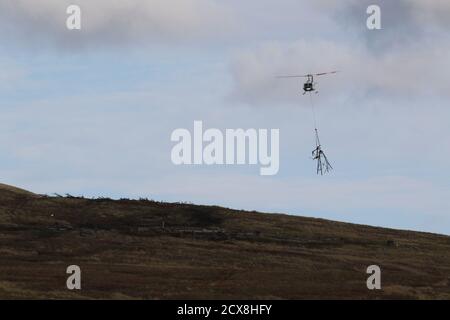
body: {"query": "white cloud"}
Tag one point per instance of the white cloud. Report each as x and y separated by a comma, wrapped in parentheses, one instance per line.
(430, 12)
(415, 70)
(115, 21)
(433, 12)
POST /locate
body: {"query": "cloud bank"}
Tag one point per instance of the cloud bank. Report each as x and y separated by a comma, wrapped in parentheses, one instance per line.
(408, 57)
(417, 70)
(114, 22)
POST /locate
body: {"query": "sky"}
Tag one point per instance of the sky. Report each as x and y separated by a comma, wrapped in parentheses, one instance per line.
(90, 112)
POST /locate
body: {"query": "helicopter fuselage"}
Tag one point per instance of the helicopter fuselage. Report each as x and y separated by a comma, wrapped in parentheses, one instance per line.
(308, 86)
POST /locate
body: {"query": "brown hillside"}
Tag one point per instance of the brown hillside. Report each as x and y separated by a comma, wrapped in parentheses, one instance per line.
(151, 250)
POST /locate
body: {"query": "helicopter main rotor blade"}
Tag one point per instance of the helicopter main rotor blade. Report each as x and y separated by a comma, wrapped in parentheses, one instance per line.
(284, 77)
(307, 75)
(325, 73)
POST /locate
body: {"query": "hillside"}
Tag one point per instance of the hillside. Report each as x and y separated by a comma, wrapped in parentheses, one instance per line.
(151, 250)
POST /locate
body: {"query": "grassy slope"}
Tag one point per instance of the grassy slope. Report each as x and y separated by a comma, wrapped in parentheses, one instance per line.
(204, 252)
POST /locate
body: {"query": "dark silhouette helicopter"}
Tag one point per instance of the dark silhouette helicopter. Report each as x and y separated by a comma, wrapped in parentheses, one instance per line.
(309, 85)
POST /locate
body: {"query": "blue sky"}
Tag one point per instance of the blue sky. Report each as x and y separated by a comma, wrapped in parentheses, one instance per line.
(90, 112)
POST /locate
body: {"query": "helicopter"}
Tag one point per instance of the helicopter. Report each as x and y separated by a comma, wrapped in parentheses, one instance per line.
(323, 165)
(309, 85)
